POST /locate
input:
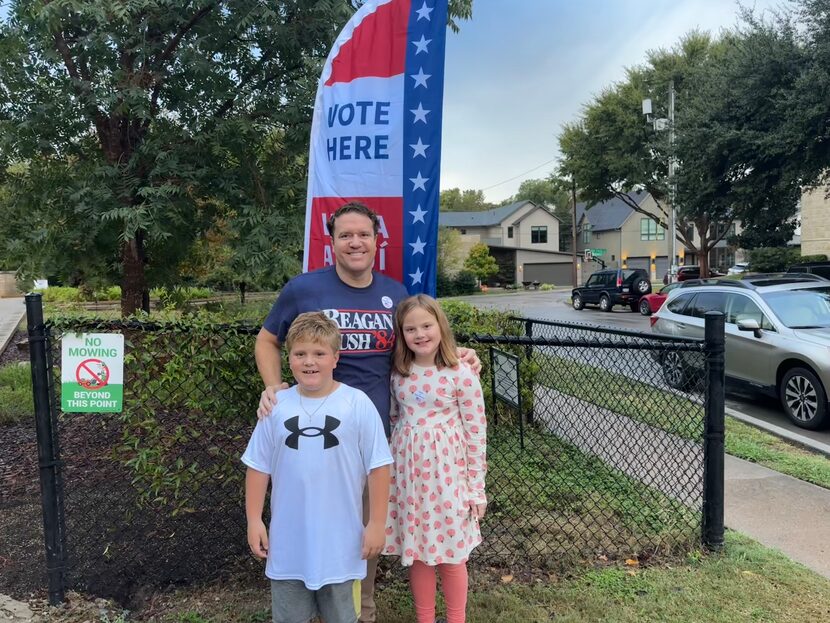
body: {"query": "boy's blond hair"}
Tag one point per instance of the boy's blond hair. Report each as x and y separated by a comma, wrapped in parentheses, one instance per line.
(314, 327)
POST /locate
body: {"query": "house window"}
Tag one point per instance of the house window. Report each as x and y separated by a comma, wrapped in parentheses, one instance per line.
(539, 234)
(586, 233)
(650, 230)
(463, 231)
(509, 232)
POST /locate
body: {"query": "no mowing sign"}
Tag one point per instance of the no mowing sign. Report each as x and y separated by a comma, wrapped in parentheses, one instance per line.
(92, 373)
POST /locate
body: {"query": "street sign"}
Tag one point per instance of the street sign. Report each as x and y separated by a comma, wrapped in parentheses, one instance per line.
(597, 252)
(587, 255)
(92, 373)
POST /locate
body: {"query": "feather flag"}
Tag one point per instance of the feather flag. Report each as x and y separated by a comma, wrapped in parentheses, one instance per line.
(376, 136)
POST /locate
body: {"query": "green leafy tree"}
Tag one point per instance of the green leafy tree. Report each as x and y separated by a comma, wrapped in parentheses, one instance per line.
(170, 115)
(457, 200)
(480, 263)
(449, 251)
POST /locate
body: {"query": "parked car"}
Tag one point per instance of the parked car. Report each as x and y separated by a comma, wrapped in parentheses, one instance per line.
(689, 272)
(650, 303)
(738, 269)
(777, 338)
(612, 286)
(821, 269)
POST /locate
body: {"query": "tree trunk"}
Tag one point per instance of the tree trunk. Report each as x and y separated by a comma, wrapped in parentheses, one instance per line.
(133, 279)
(705, 247)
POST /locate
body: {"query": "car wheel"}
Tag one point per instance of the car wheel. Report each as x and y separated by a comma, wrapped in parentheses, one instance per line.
(803, 398)
(576, 301)
(642, 286)
(605, 303)
(674, 371)
(645, 308)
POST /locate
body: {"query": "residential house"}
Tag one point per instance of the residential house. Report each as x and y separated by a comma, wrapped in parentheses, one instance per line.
(523, 237)
(625, 238)
(815, 222)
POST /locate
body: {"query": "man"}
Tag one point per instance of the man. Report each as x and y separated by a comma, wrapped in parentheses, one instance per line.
(362, 304)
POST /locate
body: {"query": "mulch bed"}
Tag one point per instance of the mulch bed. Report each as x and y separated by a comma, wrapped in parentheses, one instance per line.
(14, 354)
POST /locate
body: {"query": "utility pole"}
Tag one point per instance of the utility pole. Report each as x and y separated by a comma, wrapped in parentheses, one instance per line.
(672, 189)
(574, 272)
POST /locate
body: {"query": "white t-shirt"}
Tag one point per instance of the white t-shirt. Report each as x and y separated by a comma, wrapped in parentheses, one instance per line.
(318, 465)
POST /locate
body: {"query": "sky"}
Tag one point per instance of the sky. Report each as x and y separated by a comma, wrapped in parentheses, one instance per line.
(520, 69)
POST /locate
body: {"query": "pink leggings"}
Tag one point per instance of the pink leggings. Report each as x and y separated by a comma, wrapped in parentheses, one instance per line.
(453, 583)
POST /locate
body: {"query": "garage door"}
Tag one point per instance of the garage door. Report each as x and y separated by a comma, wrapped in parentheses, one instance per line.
(661, 265)
(556, 274)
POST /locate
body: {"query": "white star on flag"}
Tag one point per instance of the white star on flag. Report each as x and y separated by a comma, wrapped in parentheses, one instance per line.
(416, 276)
(420, 78)
(422, 45)
(417, 246)
(418, 182)
(418, 215)
(420, 113)
(420, 149)
(424, 11)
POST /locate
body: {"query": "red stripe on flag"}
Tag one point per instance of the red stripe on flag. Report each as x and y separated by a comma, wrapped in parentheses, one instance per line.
(377, 47)
(389, 258)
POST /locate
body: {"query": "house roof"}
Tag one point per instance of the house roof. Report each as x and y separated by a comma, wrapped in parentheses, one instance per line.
(609, 214)
(487, 218)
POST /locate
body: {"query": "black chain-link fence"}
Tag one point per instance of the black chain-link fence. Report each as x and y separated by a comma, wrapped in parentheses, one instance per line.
(593, 450)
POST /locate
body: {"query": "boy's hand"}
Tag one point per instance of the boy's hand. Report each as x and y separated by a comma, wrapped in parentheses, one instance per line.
(373, 540)
(470, 357)
(258, 539)
(268, 399)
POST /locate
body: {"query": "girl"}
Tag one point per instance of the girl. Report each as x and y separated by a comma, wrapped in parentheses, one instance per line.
(438, 444)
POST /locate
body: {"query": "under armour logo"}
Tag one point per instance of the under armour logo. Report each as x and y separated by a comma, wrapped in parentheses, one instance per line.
(293, 426)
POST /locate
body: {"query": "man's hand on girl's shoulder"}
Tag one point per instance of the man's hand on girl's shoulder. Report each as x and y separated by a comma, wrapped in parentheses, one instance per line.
(268, 400)
(470, 357)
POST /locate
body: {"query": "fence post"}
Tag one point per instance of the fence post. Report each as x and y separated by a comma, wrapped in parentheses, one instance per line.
(713, 432)
(529, 357)
(48, 451)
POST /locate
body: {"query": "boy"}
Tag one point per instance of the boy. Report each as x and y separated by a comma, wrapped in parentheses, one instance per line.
(322, 444)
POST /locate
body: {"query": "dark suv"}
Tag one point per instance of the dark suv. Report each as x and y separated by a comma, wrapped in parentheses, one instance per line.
(822, 269)
(613, 286)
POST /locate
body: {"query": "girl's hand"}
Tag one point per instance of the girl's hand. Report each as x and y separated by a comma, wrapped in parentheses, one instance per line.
(477, 510)
(374, 539)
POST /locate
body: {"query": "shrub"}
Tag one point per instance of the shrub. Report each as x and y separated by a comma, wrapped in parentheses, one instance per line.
(465, 283)
(445, 285)
(15, 393)
(547, 287)
(811, 258)
(772, 259)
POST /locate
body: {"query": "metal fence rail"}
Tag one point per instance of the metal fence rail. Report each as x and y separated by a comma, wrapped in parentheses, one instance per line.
(595, 454)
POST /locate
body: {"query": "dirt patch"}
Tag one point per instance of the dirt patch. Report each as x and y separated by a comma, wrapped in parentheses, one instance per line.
(13, 354)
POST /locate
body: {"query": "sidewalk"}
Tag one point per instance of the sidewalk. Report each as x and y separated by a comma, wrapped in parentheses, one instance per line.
(11, 313)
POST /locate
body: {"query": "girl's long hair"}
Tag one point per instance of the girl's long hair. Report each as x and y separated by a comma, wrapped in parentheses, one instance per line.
(445, 356)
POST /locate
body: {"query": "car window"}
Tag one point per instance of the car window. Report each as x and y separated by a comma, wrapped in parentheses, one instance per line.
(677, 304)
(610, 279)
(821, 271)
(740, 307)
(801, 309)
(706, 302)
(593, 280)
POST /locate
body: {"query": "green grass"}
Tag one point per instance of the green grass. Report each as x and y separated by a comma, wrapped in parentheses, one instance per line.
(747, 582)
(679, 415)
(15, 393)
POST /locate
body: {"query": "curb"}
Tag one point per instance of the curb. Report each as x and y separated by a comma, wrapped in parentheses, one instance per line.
(4, 342)
(799, 440)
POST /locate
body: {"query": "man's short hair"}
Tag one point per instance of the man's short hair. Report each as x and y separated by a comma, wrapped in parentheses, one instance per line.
(314, 327)
(357, 208)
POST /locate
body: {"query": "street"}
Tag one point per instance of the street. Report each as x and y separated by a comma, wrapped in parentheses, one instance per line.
(554, 306)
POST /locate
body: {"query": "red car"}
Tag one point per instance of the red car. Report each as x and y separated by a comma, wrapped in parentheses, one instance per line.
(650, 303)
(691, 271)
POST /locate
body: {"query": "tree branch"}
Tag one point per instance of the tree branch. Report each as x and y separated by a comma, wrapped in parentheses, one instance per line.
(174, 42)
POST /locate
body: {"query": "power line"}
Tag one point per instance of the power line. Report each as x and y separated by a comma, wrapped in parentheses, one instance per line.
(520, 174)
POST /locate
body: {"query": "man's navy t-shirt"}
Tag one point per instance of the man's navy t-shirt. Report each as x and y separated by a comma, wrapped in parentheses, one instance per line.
(365, 317)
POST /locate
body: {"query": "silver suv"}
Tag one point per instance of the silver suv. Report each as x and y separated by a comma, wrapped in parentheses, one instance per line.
(777, 337)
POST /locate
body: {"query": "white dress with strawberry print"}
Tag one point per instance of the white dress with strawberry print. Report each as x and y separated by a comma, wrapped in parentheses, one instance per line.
(439, 442)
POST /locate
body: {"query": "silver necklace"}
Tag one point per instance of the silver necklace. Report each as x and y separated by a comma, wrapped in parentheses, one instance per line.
(320, 406)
